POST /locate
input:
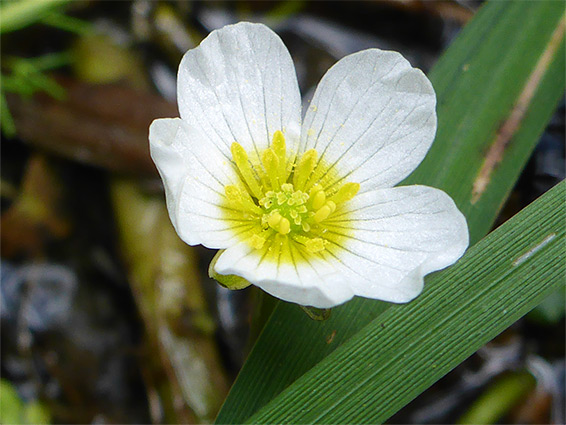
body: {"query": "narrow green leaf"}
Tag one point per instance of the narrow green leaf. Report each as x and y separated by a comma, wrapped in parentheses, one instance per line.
(19, 14)
(68, 23)
(494, 100)
(409, 347)
(479, 82)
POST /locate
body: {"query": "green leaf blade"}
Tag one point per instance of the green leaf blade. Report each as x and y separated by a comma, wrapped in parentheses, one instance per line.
(375, 373)
(480, 90)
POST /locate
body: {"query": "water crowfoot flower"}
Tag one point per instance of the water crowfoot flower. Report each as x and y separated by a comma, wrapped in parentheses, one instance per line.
(307, 212)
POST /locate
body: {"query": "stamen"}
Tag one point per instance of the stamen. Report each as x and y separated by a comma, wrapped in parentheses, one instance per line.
(332, 206)
(319, 199)
(287, 187)
(274, 219)
(283, 206)
(241, 159)
(345, 193)
(278, 146)
(279, 223)
(281, 198)
(323, 213)
(284, 226)
(318, 175)
(257, 241)
(311, 244)
(316, 245)
(241, 199)
(304, 168)
(271, 164)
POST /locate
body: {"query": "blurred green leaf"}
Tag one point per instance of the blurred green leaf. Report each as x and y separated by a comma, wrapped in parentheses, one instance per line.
(499, 398)
(15, 15)
(27, 77)
(497, 87)
(14, 411)
(36, 413)
(11, 406)
(409, 347)
(68, 23)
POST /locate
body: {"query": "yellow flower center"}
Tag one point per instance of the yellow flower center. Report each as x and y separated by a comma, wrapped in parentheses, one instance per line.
(282, 199)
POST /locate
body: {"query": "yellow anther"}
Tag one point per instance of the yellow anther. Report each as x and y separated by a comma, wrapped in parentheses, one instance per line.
(319, 199)
(284, 226)
(271, 164)
(315, 245)
(257, 241)
(240, 157)
(232, 193)
(322, 214)
(346, 192)
(278, 146)
(311, 244)
(241, 199)
(278, 142)
(313, 191)
(282, 207)
(304, 169)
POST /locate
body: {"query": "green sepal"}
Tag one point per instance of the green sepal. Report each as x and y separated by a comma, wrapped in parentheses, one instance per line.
(319, 314)
(230, 281)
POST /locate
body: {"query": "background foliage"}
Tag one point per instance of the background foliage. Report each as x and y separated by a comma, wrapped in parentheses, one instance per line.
(107, 316)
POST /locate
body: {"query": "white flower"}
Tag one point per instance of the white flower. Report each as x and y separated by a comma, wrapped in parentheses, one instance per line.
(307, 212)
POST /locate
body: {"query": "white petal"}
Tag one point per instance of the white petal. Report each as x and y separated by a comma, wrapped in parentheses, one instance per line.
(167, 153)
(240, 85)
(372, 118)
(397, 236)
(313, 282)
(194, 174)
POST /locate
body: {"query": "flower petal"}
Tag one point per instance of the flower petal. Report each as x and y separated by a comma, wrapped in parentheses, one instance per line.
(240, 86)
(397, 236)
(194, 174)
(372, 118)
(303, 280)
(168, 157)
